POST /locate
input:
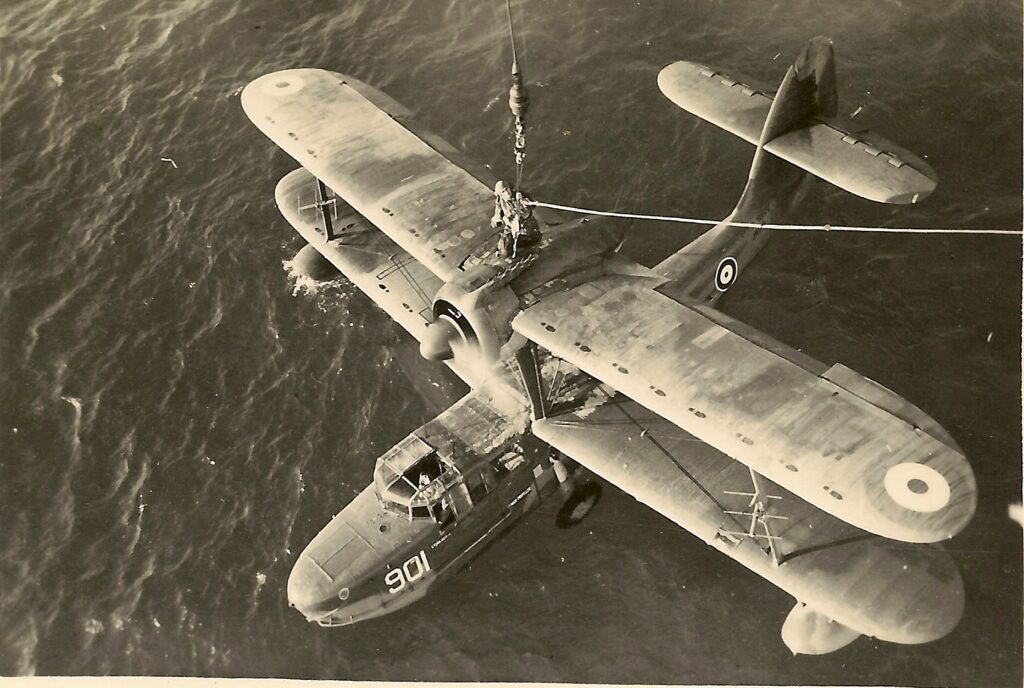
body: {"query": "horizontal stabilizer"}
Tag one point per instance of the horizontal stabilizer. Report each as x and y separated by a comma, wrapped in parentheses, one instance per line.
(803, 129)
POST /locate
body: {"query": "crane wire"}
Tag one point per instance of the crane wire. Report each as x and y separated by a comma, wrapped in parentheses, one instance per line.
(772, 226)
(511, 31)
(518, 102)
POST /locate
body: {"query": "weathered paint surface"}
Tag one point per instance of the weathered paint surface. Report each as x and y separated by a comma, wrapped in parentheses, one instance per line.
(412, 215)
(853, 159)
(831, 447)
(433, 208)
(909, 594)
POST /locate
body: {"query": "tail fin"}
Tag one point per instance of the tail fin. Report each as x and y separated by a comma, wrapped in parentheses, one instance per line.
(808, 91)
(795, 131)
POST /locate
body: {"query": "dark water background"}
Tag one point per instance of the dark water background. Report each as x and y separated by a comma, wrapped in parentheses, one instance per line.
(177, 421)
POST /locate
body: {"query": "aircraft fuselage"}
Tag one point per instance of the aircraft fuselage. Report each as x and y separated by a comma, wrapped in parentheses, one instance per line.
(376, 556)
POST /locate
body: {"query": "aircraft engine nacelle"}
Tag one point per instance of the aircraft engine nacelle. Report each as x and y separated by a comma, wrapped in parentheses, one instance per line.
(808, 632)
(472, 318)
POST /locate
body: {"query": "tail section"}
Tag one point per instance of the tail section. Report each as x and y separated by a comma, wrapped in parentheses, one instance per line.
(795, 131)
(705, 268)
(803, 128)
(808, 90)
(818, 61)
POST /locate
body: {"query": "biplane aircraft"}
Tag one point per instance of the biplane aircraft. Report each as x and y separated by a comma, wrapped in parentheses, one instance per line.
(579, 359)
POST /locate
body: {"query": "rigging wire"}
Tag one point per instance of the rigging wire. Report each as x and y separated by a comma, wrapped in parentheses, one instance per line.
(771, 226)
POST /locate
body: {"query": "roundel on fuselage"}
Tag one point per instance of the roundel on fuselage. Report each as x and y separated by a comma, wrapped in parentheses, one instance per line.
(725, 273)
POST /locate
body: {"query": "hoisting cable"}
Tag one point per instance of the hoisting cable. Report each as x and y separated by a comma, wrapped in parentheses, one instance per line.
(518, 102)
(771, 226)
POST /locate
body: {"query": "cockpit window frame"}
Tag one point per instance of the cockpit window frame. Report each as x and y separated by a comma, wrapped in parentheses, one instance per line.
(395, 467)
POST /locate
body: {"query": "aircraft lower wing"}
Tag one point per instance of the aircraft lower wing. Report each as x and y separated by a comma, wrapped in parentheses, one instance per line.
(405, 186)
(762, 405)
(895, 592)
(853, 158)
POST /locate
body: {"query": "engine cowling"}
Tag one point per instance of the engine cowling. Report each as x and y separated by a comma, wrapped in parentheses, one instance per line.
(472, 318)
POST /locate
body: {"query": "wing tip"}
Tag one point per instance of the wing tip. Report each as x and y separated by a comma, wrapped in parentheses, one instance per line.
(925, 527)
(265, 89)
(673, 78)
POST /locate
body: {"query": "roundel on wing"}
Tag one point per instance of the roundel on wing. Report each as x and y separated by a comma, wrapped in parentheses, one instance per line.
(282, 85)
(917, 487)
(725, 273)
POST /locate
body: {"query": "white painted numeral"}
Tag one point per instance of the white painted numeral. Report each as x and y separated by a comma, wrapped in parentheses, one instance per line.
(412, 570)
(394, 578)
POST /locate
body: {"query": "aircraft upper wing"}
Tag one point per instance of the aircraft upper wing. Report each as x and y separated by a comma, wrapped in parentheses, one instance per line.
(906, 594)
(852, 158)
(761, 405)
(407, 187)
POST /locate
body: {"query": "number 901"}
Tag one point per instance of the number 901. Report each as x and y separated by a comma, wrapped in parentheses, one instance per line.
(412, 570)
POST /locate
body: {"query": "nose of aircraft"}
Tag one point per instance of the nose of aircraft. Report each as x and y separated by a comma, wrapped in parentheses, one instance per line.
(310, 590)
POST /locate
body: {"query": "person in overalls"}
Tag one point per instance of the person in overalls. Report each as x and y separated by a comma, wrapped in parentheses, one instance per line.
(505, 219)
(527, 229)
(503, 209)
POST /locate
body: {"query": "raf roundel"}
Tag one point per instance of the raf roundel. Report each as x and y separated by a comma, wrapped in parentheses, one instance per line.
(725, 273)
(278, 85)
(917, 487)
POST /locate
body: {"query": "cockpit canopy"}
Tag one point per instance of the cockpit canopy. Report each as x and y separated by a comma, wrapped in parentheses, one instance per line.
(411, 479)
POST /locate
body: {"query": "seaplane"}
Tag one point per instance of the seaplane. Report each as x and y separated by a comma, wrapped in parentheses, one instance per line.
(581, 362)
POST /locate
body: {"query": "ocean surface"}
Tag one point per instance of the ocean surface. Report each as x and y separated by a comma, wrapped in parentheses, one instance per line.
(179, 416)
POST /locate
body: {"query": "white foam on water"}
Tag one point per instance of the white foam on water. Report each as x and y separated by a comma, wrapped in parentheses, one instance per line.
(302, 284)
